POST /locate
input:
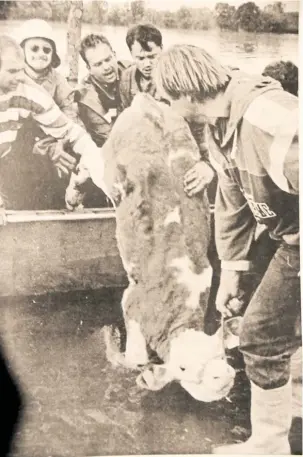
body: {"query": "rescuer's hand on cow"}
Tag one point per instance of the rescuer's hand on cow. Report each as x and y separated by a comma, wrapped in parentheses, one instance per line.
(197, 178)
(74, 196)
(62, 160)
(229, 296)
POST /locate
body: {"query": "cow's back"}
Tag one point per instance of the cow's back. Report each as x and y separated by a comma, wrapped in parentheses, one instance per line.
(163, 235)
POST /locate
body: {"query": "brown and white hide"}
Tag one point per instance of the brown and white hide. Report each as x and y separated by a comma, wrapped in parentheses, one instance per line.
(163, 238)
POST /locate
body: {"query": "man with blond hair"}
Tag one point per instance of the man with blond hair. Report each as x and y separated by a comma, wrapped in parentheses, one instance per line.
(252, 128)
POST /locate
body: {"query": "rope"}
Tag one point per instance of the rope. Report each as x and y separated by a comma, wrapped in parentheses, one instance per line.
(223, 340)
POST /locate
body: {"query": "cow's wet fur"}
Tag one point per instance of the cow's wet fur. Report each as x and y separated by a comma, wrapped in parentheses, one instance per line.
(163, 235)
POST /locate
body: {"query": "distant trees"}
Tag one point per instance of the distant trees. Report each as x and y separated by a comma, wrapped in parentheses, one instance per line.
(169, 20)
(248, 16)
(291, 22)
(119, 15)
(251, 18)
(184, 18)
(5, 7)
(60, 10)
(202, 19)
(94, 12)
(273, 18)
(137, 8)
(225, 16)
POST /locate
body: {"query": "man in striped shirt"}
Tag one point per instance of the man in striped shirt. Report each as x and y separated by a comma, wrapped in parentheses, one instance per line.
(252, 134)
(20, 98)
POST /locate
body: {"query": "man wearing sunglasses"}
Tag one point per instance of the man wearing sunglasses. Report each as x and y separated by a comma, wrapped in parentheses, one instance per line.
(21, 98)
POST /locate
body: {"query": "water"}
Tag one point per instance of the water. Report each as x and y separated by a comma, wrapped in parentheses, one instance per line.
(249, 51)
(77, 403)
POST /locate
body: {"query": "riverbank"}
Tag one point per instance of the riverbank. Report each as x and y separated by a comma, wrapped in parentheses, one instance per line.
(248, 16)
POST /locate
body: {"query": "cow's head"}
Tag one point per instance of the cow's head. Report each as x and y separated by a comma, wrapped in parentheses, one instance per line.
(197, 361)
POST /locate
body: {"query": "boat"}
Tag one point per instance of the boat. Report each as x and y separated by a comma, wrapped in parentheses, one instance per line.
(58, 251)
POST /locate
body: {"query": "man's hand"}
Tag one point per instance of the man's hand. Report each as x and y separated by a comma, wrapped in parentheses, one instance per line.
(197, 178)
(64, 162)
(73, 194)
(229, 296)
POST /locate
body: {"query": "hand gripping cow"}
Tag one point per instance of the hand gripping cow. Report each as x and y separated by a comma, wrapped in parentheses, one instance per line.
(163, 237)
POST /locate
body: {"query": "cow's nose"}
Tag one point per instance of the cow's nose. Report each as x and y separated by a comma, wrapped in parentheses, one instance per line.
(219, 369)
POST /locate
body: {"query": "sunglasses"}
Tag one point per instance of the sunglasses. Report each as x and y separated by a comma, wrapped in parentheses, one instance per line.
(45, 49)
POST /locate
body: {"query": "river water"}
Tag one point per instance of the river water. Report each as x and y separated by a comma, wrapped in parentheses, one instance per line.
(249, 51)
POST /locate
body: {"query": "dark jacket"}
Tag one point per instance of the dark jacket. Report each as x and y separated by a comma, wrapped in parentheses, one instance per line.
(97, 110)
(130, 85)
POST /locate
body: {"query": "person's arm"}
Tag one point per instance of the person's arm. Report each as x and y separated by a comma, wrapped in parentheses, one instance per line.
(65, 98)
(202, 173)
(56, 124)
(53, 122)
(234, 234)
(234, 225)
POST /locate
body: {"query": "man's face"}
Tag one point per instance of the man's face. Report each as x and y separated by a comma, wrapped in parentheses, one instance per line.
(191, 111)
(38, 53)
(145, 60)
(102, 63)
(11, 70)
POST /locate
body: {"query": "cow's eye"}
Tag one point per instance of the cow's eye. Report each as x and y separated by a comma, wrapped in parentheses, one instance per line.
(129, 187)
(182, 368)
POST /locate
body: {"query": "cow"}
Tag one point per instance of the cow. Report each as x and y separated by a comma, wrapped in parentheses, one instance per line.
(163, 238)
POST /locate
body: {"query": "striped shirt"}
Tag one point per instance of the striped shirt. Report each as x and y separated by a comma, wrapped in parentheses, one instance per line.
(29, 99)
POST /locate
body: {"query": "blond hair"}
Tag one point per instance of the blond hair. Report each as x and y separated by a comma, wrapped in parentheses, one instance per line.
(190, 71)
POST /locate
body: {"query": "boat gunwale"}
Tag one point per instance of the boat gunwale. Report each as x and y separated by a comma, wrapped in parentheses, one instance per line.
(11, 216)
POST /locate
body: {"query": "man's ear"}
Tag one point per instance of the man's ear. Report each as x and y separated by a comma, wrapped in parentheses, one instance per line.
(154, 378)
(231, 332)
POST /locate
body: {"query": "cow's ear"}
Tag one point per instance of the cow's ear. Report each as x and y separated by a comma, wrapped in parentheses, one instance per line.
(122, 186)
(230, 332)
(151, 109)
(154, 378)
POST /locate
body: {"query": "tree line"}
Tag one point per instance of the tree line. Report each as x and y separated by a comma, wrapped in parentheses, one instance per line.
(248, 16)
